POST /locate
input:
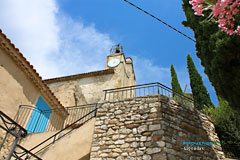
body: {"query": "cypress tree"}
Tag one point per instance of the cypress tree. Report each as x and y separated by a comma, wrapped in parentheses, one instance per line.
(175, 84)
(199, 91)
(219, 54)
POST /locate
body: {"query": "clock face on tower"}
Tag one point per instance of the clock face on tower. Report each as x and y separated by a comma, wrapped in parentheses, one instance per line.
(113, 62)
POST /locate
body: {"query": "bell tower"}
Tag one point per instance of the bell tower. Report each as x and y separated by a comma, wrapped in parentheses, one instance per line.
(123, 67)
(114, 59)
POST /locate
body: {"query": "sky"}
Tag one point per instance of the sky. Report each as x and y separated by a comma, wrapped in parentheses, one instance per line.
(65, 37)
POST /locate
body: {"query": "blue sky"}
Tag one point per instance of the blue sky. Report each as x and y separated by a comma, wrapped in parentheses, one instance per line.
(63, 37)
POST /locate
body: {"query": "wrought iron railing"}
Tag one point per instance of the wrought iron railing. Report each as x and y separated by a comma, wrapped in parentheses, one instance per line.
(147, 89)
(14, 129)
(36, 120)
(20, 150)
(76, 112)
(65, 131)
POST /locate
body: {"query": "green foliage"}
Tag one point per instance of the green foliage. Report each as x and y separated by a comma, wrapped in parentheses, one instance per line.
(227, 124)
(229, 154)
(208, 110)
(219, 54)
(199, 91)
(175, 84)
(189, 95)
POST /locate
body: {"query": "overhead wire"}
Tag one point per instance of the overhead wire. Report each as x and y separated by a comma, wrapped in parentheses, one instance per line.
(160, 20)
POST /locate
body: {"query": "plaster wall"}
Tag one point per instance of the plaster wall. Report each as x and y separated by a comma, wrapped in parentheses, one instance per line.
(16, 88)
(130, 71)
(55, 123)
(126, 72)
(90, 89)
(75, 146)
(69, 93)
(34, 139)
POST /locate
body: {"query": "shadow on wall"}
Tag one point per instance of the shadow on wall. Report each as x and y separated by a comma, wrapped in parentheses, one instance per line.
(16, 87)
(86, 157)
(153, 127)
(197, 137)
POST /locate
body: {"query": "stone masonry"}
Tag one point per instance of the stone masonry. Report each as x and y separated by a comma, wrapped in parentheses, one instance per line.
(6, 146)
(152, 128)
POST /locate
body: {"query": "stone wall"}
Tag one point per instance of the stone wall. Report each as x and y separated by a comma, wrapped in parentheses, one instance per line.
(6, 146)
(152, 127)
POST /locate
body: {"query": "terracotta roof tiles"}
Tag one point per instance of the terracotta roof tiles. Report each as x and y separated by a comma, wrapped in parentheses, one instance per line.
(79, 76)
(29, 70)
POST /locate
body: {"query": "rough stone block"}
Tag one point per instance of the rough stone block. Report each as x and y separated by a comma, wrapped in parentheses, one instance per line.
(100, 131)
(147, 133)
(142, 129)
(125, 131)
(172, 157)
(115, 137)
(130, 139)
(156, 137)
(153, 110)
(114, 154)
(118, 150)
(95, 149)
(143, 138)
(125, 145)
(159, 156)
(135, 117)
(118, 112)
(130, 126)
(143, 117)
(153, 115)
(139, 153)
(110, 131)
(113, 121)
(154, 127)
(133, 154)
(161, 143)
(134, 144)
(146, 157)
(153, 150)
(119, 142)
(189, 128)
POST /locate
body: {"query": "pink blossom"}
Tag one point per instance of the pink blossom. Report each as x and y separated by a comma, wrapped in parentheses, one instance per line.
(197, 6)
(224, 12)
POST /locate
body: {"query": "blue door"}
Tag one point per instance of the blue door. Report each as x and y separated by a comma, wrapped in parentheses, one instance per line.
(40, 116)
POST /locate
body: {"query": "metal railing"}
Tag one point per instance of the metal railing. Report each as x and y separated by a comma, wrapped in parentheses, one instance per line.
(36, 120)
(65, 131)
(76, 112)
(14, 129)
(145, 90)
(19, 150)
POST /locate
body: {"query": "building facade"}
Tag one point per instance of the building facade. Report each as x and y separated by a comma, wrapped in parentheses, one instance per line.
(87, 88)
(21, 85)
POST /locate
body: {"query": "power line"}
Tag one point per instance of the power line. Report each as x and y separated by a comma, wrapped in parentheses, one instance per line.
(160, 20)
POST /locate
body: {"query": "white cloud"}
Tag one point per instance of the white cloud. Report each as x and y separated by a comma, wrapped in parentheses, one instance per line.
(57, 45)
(147, 72)
(82, 48)
(54, 43)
